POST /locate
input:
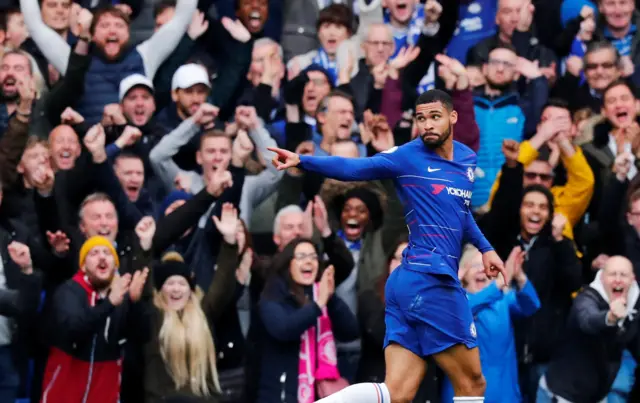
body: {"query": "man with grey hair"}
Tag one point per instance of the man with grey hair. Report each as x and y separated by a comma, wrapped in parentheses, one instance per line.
(601, 65)
(378, 47)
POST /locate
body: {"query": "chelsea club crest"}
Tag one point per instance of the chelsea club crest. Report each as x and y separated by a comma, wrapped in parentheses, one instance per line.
(470, 174)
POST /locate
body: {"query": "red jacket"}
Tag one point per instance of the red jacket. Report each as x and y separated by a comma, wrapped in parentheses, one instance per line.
(85, 360)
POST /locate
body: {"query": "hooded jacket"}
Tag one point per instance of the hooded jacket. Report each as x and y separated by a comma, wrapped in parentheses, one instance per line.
(585, 368)
(88, 334)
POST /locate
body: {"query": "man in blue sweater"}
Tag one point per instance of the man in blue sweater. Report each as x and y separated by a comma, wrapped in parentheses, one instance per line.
(427, 312)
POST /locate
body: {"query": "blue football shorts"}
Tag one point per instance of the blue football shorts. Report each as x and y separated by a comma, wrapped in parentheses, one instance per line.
(427, 313)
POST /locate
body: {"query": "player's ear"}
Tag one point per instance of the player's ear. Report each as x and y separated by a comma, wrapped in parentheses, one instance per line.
(453, 117)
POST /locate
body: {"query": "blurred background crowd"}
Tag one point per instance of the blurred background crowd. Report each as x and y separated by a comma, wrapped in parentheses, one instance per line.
(151, 253)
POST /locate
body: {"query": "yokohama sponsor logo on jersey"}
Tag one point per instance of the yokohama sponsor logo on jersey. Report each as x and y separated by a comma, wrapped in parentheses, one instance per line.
(466, 194)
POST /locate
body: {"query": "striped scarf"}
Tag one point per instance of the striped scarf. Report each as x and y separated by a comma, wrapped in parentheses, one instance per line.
(322, 59)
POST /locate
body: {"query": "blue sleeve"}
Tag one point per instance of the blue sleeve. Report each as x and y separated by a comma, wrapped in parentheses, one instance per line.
(380, 166)
(112, 152)
(484, 297)
(524, 302)
(473, 234)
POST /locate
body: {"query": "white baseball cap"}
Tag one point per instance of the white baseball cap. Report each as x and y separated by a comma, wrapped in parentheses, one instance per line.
(189, 75)
(134, 80)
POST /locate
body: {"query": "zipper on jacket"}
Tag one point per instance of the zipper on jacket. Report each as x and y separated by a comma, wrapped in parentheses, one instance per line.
(50, 385)
(283, 382)
(93, 352)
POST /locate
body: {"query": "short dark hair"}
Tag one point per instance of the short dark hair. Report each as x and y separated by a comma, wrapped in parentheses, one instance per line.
(108, 10)
(213, 133)
(338, 14)
(617, 83)
(128, 155)
(506, 46)
(162, 6)
(436, 95)
(557, 103)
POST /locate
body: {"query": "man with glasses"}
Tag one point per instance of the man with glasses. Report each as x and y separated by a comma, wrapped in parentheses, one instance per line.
(528, 164)
(378, 48)
(501, 113)
(602, 65)
(513, 23)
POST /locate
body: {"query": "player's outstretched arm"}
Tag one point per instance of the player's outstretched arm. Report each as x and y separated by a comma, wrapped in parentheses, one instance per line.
(380, 166)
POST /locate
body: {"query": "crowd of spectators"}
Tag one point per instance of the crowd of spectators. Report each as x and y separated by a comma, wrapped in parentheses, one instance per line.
(150, 252)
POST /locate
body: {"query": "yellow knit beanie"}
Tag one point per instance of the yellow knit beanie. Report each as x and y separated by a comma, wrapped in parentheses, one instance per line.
(94, 241)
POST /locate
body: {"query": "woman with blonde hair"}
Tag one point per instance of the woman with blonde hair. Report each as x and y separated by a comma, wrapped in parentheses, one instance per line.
(180, 358)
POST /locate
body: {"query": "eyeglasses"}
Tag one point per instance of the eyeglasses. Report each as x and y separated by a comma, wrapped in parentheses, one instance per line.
(594, 66)
(534, 175)
(303, 256)
(498, 62)
(384, 44)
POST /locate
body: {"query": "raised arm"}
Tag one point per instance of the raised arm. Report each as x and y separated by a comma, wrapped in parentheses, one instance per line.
(156, 49)
(380, 166)
(52, 45)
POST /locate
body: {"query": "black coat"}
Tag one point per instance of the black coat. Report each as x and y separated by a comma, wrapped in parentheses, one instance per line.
(584, 369)
(284, 321)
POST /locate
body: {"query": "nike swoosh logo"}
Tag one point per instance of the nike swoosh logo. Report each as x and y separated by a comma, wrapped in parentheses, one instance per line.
(432, 169)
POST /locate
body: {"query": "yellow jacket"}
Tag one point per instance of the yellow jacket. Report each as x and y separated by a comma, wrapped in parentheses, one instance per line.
(572, 199)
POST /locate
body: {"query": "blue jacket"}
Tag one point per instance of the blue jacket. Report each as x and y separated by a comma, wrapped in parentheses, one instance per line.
(102, 83)
(492, 312)
(285, 321)
(498, 119)
(509, 116)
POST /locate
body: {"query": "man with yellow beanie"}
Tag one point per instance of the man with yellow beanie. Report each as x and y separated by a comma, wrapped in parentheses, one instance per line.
(93, 313)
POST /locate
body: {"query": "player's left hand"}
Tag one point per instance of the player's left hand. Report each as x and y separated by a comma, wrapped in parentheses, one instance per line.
(493, 265)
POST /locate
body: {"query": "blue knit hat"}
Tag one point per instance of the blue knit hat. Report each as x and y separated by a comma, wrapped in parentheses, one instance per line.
(173, 197)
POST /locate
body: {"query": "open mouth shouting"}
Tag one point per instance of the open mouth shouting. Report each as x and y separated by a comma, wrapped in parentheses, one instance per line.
(617, 291)
(353, 229)
(534, 223)
(65, 159)
(307, 274)
(9, 83)
(112, 46)
(332, 43)
(623, 117)
(139, 116)
(103, 269)
(403, 10)
(132, 191)
(255, 20)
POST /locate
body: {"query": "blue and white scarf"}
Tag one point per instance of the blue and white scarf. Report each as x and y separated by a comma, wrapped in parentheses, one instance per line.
(351, 245)
(322, 59)
(409, 37)
(622, 44)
